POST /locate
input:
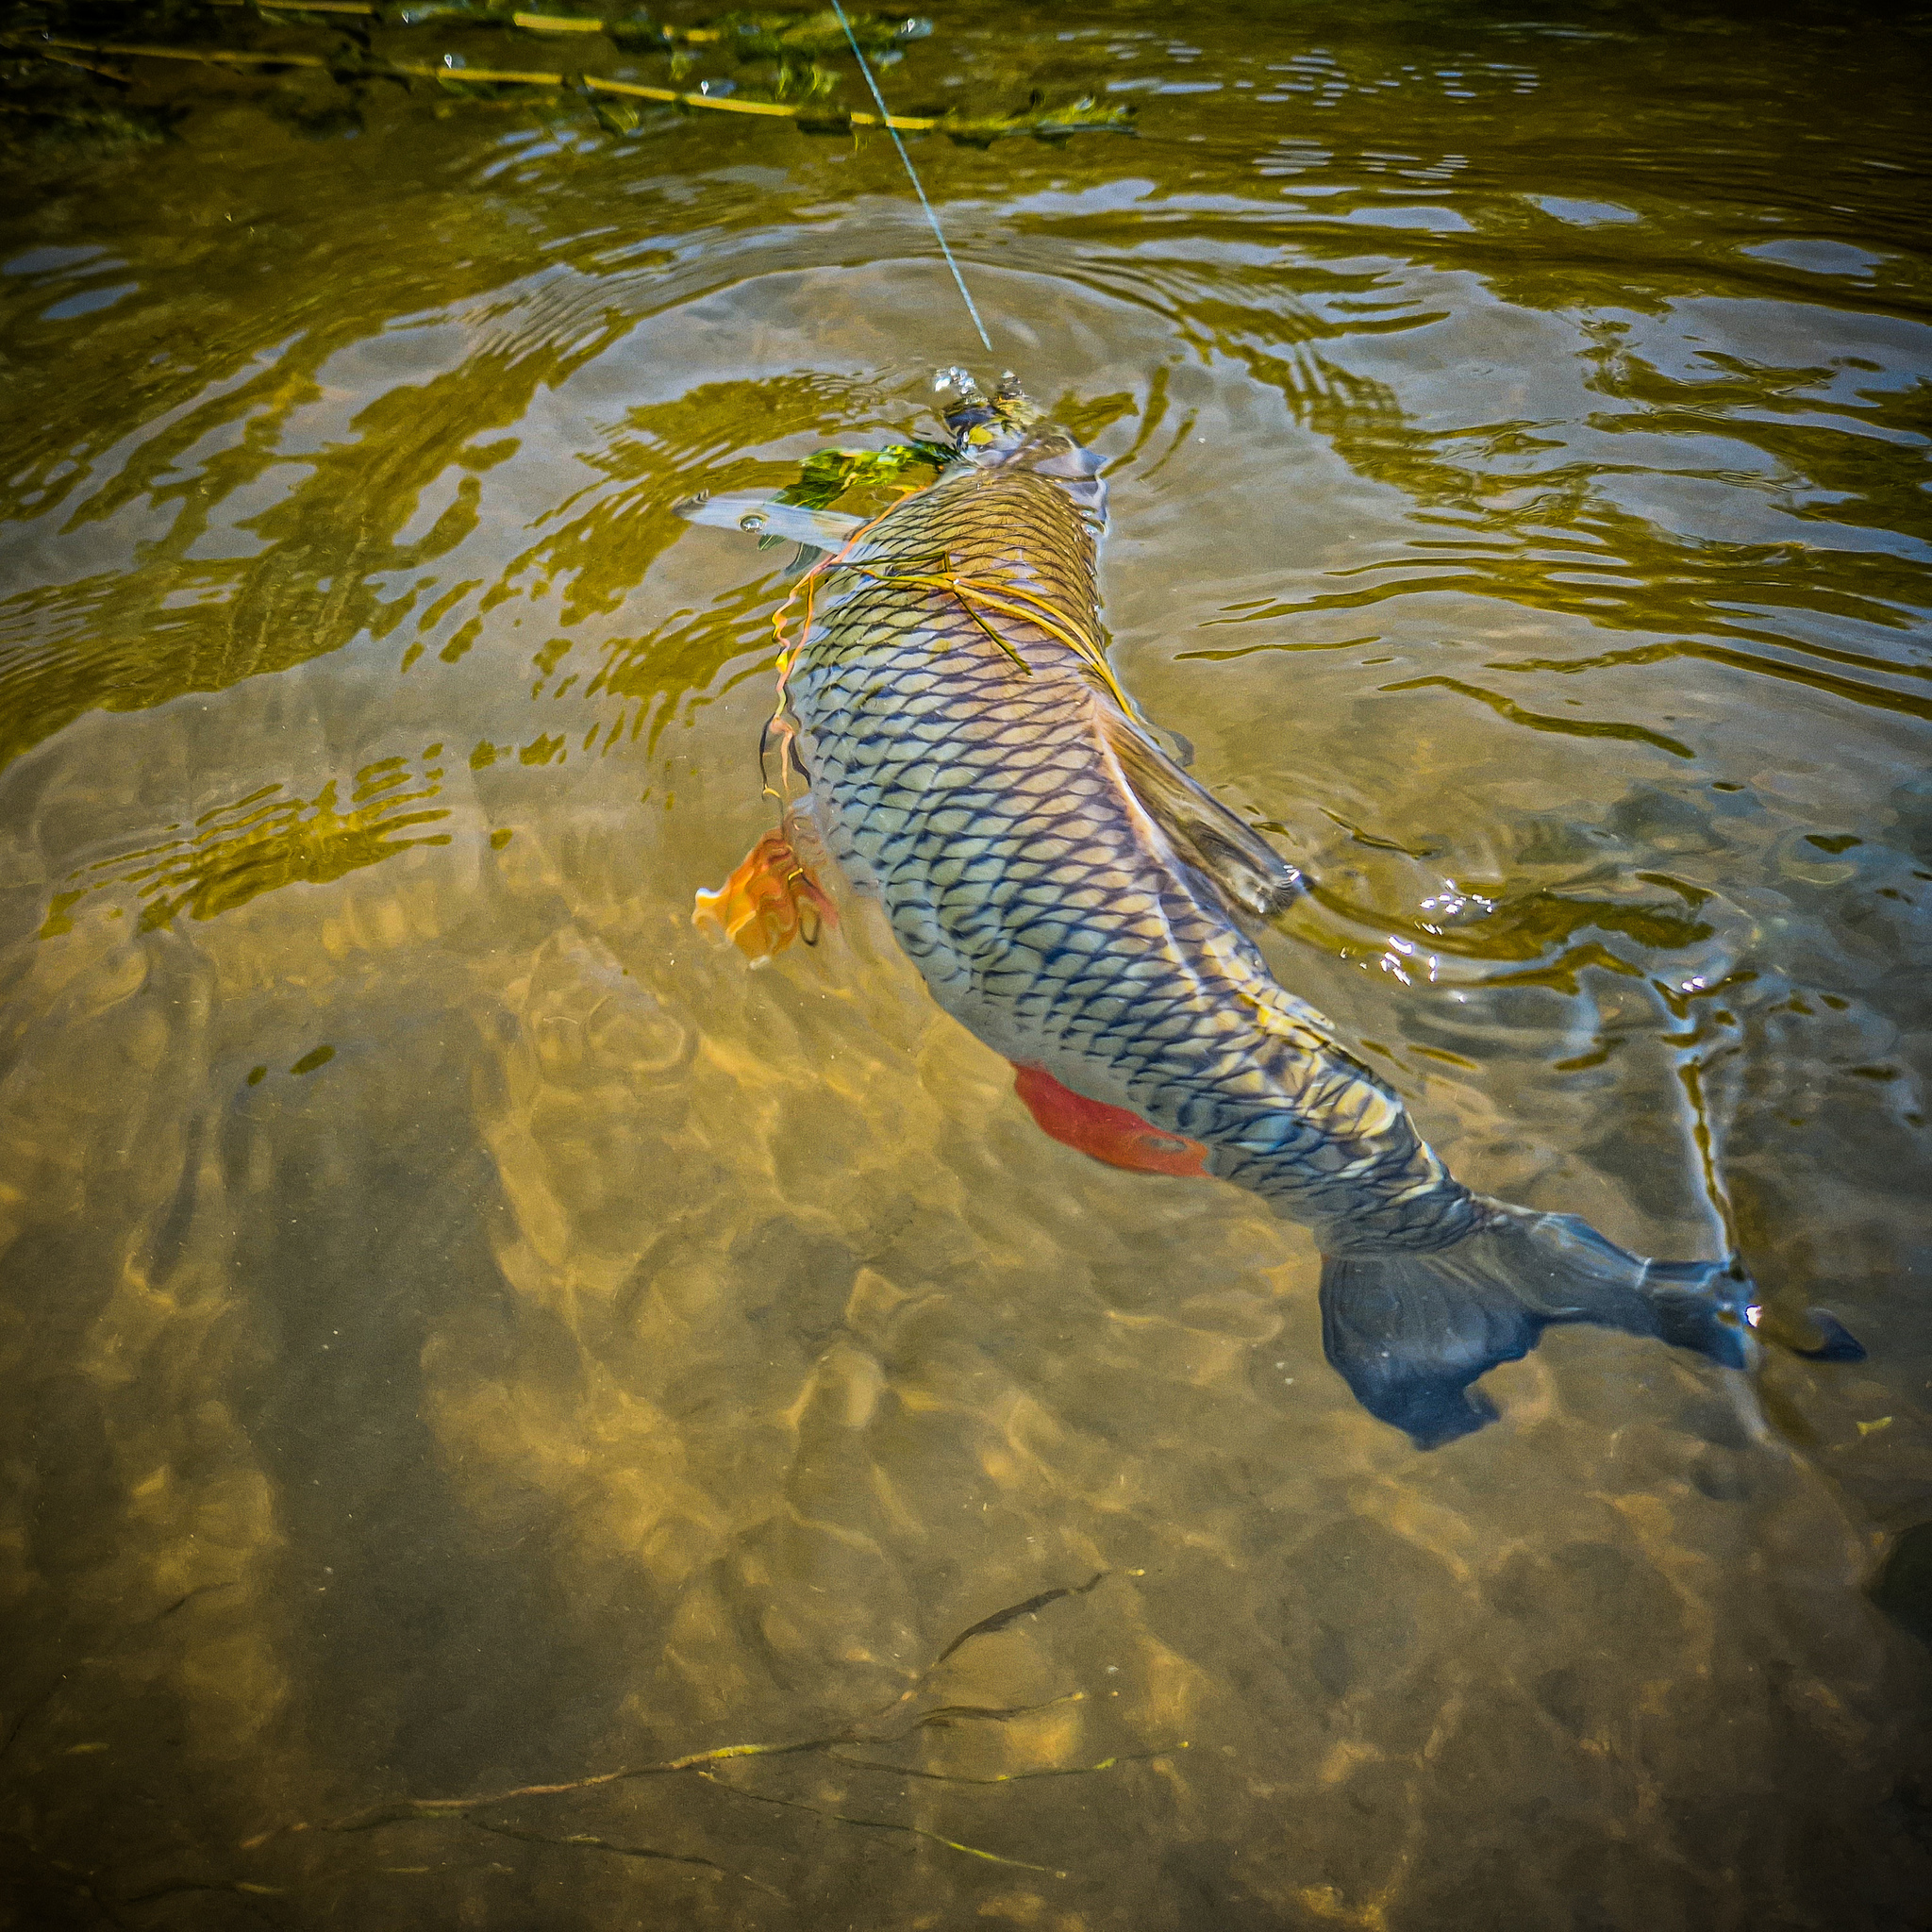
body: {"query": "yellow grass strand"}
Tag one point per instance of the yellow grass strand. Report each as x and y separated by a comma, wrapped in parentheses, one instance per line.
(421, 70)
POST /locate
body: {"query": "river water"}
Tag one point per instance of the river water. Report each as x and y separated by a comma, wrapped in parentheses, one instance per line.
(463, 1332)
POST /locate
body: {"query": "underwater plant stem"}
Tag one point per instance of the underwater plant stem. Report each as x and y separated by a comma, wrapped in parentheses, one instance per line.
(206, 56)
(418, 70)
(86, 67)
(951, 1844)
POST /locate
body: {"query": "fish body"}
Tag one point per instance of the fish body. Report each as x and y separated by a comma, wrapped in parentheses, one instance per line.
(968, 768)
(1080, 904)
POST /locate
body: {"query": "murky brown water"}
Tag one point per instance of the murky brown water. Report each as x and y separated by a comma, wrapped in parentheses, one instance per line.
(462, 1332)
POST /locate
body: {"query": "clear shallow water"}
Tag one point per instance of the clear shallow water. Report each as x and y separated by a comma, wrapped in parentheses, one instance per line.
(464, 1333)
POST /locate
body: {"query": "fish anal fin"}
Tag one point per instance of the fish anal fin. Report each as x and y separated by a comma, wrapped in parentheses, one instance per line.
(767, 903)
(1111, 1134)
(1204, 831)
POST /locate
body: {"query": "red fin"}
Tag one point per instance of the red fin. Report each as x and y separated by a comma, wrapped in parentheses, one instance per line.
(767, 903)
(1107, 1133)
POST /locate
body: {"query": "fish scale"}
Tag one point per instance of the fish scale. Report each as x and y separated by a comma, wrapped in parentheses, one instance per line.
(1023, 879)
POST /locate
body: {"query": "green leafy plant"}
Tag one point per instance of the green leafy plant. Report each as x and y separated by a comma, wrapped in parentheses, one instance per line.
(73, 72)
(835, 472)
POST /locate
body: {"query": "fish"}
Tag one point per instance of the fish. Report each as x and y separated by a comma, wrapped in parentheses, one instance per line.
(1081, 904)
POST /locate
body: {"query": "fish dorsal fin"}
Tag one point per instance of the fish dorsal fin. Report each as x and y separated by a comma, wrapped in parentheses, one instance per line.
(1205, 834)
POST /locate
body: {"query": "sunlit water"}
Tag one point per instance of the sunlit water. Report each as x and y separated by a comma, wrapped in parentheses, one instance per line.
(463, 1332)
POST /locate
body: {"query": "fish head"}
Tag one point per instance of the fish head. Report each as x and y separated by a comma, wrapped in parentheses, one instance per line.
(1009, 430)
(988, 429)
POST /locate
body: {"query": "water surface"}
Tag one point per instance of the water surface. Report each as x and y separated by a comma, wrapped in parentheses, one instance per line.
(464, 1333)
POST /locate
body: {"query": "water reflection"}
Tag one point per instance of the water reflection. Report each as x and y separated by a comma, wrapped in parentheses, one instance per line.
(606, 1356)
(259, 842)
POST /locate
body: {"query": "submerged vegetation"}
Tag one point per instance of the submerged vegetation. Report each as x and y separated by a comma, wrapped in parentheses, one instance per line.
(877, 476)
(897, 1741)
(87, 75)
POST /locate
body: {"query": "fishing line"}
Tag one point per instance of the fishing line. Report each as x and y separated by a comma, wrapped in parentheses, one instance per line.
(912, 176)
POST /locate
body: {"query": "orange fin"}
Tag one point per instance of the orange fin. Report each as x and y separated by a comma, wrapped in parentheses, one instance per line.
(1107, 1133)
(767, 903)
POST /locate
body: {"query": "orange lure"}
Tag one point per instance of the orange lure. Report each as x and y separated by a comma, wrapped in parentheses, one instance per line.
(767, 903)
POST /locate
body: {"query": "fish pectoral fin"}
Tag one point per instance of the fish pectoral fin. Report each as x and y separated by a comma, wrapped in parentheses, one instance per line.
(1111, 1134)
(765, 516)
(767, 903)
(1207, 834)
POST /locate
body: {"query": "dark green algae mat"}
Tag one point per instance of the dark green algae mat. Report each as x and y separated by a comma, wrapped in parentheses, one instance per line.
(478, 1360)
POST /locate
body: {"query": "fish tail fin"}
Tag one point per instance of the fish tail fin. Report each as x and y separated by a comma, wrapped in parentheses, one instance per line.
(1410, 1332)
